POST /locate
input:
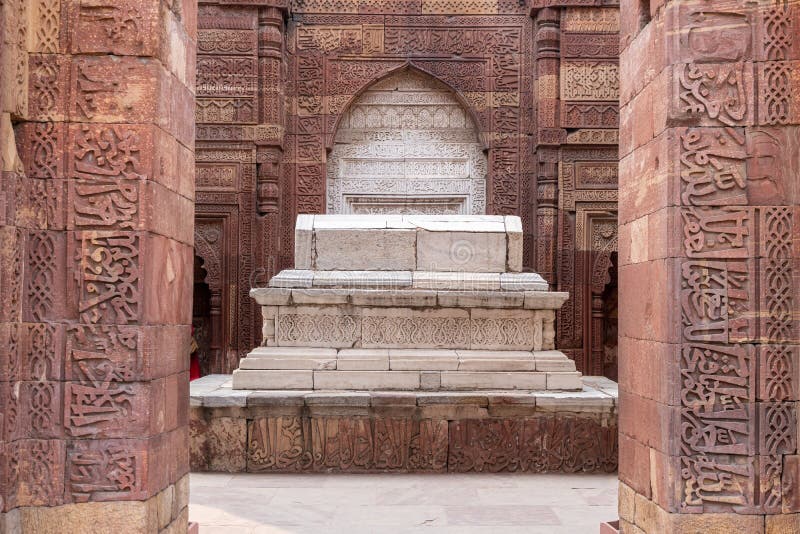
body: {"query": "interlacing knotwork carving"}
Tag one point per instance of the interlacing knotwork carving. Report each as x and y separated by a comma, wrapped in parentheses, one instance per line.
(503, 331)
(41, 261)
(778, 35)
(42, 397)
(778, 372)
(415, 331)
(47, 30)
(44, 151)
(45, 90)
(300, 328)
(776, 97)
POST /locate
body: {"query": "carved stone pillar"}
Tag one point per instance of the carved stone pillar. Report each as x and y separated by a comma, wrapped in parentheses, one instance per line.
(709, 267)
(269, 139)
(95, 268)
(548, 138)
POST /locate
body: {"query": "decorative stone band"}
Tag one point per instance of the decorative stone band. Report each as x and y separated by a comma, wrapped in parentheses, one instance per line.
(470, 431)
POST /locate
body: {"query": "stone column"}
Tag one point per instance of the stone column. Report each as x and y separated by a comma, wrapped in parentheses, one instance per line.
(97, 257)
(708, 279)
(548, 139)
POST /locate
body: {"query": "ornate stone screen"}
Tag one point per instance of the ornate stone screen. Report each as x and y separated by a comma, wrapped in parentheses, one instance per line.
(407, 145)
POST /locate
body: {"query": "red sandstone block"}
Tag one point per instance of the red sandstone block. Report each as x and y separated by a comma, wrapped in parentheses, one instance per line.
(114, 152)
(124, 28)
(691, 149)
(166, 213)
(649, 293)
(634, 464)
(649, 422)
(648, 179)
(129, 205)
(728, 34)
(46, 276)
(129, 409)
(137, 353)
(698, 99)
(167, 294)
(182, 110)
(626, 145)
(773, 165)
(117, 89)
(666, 482)
(41, 147)
(641, 118)
(124, 469)
(790, 474)
(176, 44)
(34, 473)
(108, 470)
(48, 82)
(143, 277)
(650, 370)
(643, 60)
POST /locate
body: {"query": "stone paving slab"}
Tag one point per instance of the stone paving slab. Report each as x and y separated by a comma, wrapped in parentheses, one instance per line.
(400, 503)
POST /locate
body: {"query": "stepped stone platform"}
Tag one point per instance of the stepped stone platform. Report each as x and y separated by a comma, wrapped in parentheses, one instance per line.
(406, 343)
(401, 302)
(394, 431)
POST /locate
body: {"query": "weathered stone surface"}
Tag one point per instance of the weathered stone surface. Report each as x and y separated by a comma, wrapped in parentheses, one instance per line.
(273, 379)
(358, 250)
(461, 251)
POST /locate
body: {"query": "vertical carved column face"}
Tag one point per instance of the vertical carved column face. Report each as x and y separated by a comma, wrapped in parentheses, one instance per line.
(407, 145)
(728, 114)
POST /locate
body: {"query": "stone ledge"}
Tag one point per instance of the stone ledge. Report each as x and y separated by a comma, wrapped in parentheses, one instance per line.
(598, 395)
(317, 287)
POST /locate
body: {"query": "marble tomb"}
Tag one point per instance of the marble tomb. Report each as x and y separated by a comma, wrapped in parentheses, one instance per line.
(407, 302)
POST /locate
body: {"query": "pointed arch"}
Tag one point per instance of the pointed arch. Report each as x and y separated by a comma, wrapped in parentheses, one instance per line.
(411, 66)
(407, 144)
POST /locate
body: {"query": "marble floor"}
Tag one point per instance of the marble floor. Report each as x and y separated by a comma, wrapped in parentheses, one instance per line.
(392, 503)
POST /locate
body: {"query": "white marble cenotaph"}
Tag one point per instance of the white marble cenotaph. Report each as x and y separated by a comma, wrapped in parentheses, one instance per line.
(407, 302)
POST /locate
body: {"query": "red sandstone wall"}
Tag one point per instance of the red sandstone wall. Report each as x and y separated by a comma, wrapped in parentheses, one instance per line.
(274, 78)
(709, 277)
(96, 206)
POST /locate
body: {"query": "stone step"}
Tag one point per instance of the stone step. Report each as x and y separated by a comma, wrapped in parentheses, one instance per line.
(457, 380)
(300, 358)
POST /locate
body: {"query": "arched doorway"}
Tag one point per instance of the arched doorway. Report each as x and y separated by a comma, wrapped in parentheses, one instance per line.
(407, 145)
